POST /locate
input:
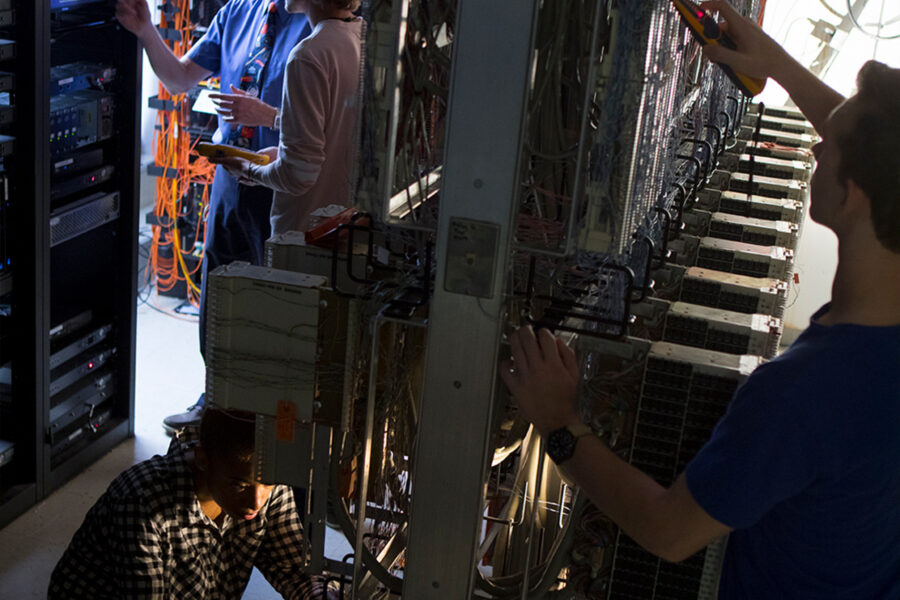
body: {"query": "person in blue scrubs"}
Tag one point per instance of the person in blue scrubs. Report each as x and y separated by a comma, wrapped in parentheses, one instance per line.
(237, 225)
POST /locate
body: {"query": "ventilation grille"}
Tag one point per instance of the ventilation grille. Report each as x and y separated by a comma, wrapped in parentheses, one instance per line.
(706, 293)
(746, 208)
(737, 233)
(83, 216)
(678, 411)
(697, 332)
(725, 260)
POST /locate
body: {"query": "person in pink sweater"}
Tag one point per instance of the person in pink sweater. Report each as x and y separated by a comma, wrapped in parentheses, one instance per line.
(313, 163)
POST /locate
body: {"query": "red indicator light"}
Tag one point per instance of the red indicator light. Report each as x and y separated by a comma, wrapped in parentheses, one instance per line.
(699, 14)
(90, 365)
(93, 178)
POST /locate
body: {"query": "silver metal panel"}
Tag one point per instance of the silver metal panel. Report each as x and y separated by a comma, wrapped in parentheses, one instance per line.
(262, 339)
(488, 91)
(471, 258)
(317, 498)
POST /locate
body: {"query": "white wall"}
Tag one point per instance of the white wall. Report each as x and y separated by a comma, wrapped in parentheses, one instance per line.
(148, 115)
(788, 22)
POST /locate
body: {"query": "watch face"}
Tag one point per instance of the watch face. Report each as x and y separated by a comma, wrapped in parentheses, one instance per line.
(560, 445)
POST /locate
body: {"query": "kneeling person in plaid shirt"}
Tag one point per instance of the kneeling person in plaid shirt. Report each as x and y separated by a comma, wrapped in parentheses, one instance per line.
(190, 524)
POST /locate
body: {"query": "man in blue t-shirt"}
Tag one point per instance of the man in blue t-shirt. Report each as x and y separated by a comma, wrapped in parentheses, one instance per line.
(237, 224)
(804, 469)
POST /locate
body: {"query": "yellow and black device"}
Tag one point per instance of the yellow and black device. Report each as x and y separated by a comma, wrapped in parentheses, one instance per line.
(224, 151)
(706, 30)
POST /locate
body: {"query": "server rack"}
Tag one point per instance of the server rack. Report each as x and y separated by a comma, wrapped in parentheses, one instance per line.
(67, 302)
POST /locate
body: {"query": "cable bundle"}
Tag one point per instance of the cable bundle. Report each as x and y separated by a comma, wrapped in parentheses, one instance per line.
(182, 191)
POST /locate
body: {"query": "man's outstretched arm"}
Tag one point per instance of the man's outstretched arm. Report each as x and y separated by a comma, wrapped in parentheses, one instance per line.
(543, 379)
(177, 74)
(758, 55)
(666, 522)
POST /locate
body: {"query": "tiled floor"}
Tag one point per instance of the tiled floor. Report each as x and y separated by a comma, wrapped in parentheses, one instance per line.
(169, 376)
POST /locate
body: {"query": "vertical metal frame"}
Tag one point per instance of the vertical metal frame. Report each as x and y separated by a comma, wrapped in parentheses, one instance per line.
(317, 499)
(41, 124)
(392, 101)
(30, 381)
(489, 82)
(385, 55)
(567, 247)
(132, 55)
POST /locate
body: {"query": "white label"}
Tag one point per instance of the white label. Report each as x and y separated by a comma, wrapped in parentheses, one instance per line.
(66, 81)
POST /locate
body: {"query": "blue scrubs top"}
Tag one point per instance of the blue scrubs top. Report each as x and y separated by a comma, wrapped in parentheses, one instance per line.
(237, 224)
(227, 44)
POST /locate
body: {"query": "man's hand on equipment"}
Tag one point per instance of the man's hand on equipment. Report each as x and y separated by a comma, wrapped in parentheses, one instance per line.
(134, 15)
(177, 74)
(543, 378)
(758, 55)
(239, 107)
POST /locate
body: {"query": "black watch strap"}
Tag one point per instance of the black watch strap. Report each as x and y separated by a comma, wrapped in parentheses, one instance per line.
(560, 444)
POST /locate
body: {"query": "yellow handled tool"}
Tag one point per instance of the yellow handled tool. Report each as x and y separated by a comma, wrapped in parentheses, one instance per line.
(706, 30)
(224, 151)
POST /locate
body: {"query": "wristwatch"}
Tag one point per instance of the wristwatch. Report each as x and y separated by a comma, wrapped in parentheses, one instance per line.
(276, 122)
(561, 443)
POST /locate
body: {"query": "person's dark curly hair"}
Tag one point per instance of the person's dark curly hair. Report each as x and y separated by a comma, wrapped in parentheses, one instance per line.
(870, 150)
(228, 435)
(337, 4)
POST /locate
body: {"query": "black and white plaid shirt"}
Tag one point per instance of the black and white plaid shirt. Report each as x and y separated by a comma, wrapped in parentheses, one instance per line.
(147, 537)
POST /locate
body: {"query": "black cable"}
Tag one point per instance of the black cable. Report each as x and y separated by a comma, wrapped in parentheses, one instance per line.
(759, 118)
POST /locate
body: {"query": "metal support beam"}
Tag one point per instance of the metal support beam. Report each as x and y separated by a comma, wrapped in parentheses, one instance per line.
(490, 77)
